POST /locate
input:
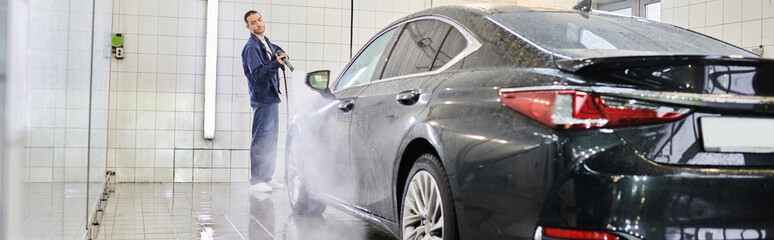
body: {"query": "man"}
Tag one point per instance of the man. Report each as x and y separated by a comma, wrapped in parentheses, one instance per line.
(261, 62)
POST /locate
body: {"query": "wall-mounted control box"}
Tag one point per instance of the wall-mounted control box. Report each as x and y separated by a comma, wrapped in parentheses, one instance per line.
(117, 43)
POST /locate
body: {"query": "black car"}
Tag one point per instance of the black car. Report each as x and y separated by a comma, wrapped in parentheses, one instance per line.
(476, 122)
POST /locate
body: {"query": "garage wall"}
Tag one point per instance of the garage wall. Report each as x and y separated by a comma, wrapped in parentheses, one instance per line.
(65, 72)
(745, 23)
(62, 73)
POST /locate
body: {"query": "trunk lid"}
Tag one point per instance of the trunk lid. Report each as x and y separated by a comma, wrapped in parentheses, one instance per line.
(735, 91)
(733, 75)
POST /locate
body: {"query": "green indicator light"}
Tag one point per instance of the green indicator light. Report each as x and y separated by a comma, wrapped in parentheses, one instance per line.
(118, 40)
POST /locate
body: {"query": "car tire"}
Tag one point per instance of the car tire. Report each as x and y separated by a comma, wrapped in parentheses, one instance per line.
(417, 220)
(298, 194)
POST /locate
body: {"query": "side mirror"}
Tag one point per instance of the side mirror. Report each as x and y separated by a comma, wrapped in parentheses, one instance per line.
(318, 80)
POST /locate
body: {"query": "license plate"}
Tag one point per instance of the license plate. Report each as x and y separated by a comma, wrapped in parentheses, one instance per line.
(734, 134)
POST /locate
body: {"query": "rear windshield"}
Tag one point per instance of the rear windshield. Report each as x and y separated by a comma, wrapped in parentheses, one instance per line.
(600, 35)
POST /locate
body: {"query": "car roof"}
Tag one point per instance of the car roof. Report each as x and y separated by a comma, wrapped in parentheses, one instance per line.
(475, 11)
(454, 11)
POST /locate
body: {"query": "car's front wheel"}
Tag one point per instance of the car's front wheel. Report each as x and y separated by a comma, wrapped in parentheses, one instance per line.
(427, 211)
(298, 195)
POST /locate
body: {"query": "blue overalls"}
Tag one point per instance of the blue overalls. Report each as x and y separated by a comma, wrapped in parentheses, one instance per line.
(263, 84)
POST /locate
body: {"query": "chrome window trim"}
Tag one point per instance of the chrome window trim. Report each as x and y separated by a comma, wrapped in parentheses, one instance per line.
(657, 96)
(473, 45)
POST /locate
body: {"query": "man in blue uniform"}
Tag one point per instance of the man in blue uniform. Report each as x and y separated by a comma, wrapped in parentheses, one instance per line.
(261, 62)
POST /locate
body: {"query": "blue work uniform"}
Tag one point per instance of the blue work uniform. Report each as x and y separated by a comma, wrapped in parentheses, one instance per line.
(263, 83)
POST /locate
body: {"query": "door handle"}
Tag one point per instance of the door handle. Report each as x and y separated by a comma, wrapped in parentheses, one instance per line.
(408, 97)
(346, 105)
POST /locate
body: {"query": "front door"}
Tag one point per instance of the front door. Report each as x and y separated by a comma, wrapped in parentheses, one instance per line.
(393, 103)
(338, 111)
(324, 137)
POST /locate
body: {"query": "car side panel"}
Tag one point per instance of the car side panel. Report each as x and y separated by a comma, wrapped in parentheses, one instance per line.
(501, 163)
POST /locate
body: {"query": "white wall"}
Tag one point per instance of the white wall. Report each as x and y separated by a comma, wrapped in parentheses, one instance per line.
(67, 92)
(58, 97)
(745, 23)
(65, 111)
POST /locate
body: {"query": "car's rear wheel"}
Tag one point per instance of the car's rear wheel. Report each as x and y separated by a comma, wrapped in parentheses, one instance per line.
(427, 211)
(298, 195)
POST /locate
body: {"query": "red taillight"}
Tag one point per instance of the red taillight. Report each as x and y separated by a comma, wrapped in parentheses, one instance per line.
(571, 109)
(577, 234)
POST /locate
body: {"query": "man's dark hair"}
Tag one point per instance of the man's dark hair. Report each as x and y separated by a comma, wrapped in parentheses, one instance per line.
(248, 13)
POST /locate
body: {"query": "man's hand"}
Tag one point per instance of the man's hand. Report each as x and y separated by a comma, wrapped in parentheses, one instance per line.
(281, 58)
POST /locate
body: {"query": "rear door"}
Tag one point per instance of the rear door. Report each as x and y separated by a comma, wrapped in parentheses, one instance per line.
(390, 105)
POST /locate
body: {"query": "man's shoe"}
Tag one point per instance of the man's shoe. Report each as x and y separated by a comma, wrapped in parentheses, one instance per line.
(261, 187)
(275, 184)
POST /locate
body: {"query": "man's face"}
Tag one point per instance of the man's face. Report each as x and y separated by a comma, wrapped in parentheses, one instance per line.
(255, 24)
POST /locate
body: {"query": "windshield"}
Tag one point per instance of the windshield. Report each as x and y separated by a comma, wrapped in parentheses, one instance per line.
(602, 35)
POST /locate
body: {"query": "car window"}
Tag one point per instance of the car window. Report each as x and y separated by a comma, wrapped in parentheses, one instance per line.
(416, 48)
(452, 45)
(602, 35)
(362, 69)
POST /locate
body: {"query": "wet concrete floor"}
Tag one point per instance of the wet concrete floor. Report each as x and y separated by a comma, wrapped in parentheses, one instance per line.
(219, 211)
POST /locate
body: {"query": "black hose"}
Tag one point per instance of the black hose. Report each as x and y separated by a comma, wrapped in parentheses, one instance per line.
(285, 80)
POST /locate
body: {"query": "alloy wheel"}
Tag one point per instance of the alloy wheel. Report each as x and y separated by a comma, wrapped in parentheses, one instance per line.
(422, 208)
(292, 175)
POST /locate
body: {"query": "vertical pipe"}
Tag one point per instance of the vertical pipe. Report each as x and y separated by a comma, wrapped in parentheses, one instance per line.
(88, 129)
(351, 25)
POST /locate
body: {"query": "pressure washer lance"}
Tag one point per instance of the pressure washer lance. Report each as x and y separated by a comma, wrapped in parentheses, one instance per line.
(285, 79)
